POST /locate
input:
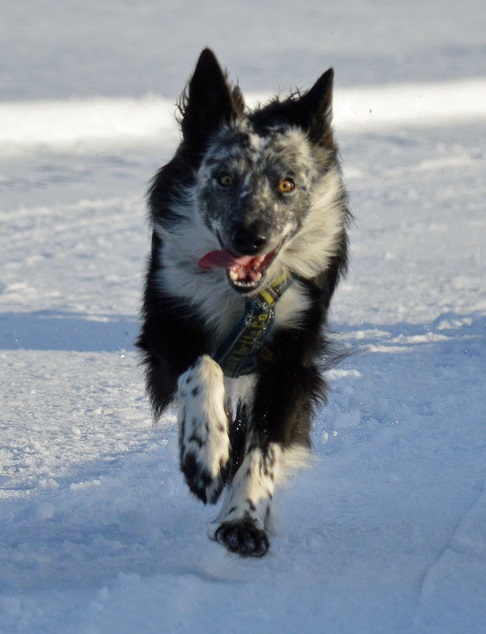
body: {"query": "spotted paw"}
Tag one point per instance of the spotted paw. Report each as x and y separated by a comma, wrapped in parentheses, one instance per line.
(203, 433)
(243, 538)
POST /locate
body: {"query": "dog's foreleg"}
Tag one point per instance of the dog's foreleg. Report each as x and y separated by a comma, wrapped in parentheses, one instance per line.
(246, 509)
(278, 439)
(203, 429)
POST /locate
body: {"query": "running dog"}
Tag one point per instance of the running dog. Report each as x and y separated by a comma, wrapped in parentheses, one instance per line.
(249, 241)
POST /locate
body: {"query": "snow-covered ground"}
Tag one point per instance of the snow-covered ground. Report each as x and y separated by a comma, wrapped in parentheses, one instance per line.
(387, 533)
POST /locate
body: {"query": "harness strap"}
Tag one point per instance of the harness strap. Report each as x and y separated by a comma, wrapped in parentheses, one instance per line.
(237, 354)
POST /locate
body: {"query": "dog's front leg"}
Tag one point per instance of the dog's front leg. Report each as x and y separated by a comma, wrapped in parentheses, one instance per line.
(247, 506)
(203, 429)
(278, 439)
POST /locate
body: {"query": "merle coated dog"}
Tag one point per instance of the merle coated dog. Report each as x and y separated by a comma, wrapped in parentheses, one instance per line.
(249, 241)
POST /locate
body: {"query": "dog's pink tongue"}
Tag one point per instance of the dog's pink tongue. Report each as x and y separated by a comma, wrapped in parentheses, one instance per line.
(222, 260)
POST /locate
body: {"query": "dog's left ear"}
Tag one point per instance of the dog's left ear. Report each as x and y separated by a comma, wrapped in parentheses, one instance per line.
(208, 102)
(314, 108)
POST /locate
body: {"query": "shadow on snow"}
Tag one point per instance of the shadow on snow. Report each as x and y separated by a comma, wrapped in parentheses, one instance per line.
(69, 331)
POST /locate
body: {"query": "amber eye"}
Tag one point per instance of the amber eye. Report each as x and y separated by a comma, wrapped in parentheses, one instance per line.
(286, 185)
(225, 179)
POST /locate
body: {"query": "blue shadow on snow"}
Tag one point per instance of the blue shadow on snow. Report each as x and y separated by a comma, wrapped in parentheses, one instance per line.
(59, 330)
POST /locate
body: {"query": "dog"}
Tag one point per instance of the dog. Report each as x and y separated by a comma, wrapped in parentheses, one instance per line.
(249, 240)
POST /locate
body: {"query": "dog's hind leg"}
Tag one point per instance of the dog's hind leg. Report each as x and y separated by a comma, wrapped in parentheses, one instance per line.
(203, 429)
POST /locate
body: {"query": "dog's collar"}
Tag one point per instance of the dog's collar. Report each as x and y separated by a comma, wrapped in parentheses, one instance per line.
(237, 354)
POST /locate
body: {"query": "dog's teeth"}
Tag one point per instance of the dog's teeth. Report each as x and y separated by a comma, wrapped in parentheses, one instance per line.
(244, 283)
(233, 274)
(256, 276)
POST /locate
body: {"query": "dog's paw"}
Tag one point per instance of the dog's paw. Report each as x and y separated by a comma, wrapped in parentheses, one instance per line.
(243, 537)
(203, 440)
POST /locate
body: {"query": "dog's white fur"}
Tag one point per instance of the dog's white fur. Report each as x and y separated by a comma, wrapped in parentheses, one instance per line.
(203, 421)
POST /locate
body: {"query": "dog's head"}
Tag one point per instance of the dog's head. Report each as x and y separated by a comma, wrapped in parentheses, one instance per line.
(268, 185)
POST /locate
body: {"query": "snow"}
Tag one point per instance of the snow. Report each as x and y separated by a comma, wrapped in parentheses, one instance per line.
(98, 533)
(62, 124)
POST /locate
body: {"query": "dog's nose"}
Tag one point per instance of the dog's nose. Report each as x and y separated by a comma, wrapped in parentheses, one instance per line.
(249, 239)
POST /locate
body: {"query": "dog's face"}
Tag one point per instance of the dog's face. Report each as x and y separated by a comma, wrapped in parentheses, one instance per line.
(254, 193)
(258, 173)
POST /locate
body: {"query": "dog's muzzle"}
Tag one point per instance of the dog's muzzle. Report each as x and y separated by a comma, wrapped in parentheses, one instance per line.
(246, 273)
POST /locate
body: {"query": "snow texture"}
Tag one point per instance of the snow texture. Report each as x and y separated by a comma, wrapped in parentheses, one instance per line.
(98, 532)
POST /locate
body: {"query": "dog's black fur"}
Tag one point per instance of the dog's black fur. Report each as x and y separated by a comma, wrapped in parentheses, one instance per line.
(240, 433)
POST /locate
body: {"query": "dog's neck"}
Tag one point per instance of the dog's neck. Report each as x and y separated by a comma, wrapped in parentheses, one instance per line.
(237, 354)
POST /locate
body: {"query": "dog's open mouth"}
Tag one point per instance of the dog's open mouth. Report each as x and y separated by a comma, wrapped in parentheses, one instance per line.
(245, 273)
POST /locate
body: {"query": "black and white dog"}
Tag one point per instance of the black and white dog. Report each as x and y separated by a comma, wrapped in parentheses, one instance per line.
(249, 241)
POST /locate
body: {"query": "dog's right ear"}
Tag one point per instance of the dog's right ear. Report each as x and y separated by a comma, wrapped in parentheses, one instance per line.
(208, 101)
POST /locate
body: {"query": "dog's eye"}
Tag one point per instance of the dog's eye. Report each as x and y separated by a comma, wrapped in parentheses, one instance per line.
(286, 185)
(224, 179)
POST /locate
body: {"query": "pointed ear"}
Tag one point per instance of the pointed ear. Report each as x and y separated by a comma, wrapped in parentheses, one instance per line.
(314, 108)
(207, 102)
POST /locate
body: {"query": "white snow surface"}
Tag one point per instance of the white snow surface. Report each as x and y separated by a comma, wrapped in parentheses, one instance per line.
(387, 532)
